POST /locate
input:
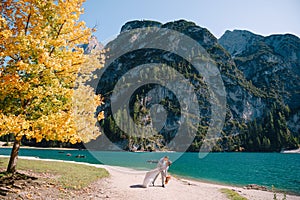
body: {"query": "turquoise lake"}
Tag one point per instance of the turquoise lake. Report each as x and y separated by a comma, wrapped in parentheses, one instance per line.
(280, 170)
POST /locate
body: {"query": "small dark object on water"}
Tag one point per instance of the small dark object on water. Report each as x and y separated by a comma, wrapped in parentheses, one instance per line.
(61, 152)
(80, 156)
(68, 154)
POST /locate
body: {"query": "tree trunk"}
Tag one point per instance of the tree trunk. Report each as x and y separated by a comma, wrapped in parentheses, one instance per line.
(11, 168)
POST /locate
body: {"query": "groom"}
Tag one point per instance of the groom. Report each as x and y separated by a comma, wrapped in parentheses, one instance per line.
(163, 165)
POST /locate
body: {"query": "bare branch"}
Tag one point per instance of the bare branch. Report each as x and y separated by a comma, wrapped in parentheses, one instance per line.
(15, 59)
(60, 28)
(58, 33)
(27, 23)
(94, 28)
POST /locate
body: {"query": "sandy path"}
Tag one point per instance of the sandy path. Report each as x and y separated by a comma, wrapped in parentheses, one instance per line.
(126, 184)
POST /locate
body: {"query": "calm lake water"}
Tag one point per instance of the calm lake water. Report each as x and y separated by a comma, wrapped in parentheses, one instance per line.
(280, 170)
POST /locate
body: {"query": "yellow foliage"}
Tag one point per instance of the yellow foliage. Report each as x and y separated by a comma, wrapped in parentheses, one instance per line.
(100, 116)
(39, 66)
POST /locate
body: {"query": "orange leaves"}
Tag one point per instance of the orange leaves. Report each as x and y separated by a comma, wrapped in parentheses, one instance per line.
(43, 57)
(100, 116)
(74, 140)
(21, 65)
(38, 45)
(13, 124)
(5, 34)
(84, 100)
(99, 100)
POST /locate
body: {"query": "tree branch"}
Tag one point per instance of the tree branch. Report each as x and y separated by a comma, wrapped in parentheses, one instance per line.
(79, 63)
(60, 28)
(58, 33)
(27, 23)
(15, 59)
(76, 38)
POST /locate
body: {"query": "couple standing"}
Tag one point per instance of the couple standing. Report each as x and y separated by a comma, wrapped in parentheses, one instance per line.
(162, 168)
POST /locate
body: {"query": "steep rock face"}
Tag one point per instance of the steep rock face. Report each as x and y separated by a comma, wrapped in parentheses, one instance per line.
(240, 91)
(245, 102)
(272, 64)
(139, 24)
(93, 44)
(235, 42)
(260, 75)
(294, 121)
(285, 45)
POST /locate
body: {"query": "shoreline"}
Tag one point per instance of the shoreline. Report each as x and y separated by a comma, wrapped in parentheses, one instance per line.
(218, 182)
(125, 183)
(296, 151)
(291, 151)
(46, 148)
(236, 185)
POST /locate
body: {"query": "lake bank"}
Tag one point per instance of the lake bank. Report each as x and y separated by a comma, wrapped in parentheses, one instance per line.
(125, 183)
(291, 151)
(29, 147)
(65, 148)
(237, 169)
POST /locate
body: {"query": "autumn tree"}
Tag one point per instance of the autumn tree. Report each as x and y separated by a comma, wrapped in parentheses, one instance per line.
(39, 65)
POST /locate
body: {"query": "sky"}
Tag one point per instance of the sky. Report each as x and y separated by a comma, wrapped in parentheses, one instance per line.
(264, 17)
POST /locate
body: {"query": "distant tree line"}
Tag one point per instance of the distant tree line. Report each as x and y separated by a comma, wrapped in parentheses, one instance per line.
(267, 134)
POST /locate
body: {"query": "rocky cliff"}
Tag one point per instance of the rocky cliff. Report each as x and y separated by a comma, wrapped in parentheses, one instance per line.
(261, 79)
(93, 44)
(271, 63)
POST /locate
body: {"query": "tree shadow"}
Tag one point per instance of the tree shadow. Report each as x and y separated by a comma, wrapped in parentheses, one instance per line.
(11, 181)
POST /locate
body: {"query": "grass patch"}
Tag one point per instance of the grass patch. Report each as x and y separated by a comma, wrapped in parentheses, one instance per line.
(232, 194)
(68, 175)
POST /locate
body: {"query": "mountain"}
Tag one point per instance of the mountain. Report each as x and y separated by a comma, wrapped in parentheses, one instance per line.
(93, 44)
(261, 79)
(271, 63)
